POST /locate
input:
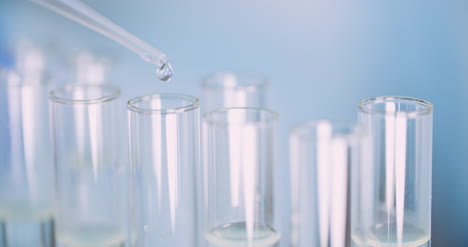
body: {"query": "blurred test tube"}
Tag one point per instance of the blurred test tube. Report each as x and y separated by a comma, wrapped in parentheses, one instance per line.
(227, 89)
(26, 168)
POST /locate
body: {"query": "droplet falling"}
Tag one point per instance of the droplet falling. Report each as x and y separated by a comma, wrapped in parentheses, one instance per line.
(164, 73)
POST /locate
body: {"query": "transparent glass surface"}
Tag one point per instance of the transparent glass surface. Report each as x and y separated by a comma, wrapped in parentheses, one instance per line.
(164, 137)
(236, 179)
(91, 169)
(323, 156)
(26, 168)
(228, 89)
(392, 199)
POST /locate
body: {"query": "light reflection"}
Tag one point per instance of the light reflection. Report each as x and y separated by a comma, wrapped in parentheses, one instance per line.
(249, 166)
(172, 139)
(389, 158)
(14, 111)
(95, 130)
(233, 97)
(235, 144)
(324, 132)
(29, 101)
(395, 158)
(157, 146)
(80, 121)
(400, 160)
(206, 158)
(296, 173)
(339, 191)
(30, 62)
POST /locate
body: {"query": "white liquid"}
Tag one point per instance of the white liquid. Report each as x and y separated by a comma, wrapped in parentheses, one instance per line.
(24, 212)
(386, 236)
(95, 235)
(235, 235)
(25, 225)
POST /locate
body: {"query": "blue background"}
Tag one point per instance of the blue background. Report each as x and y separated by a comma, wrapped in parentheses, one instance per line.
(322, 57)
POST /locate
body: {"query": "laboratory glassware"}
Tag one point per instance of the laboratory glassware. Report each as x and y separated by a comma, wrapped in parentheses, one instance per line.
(392, 198)
(228, 89)
(237, 178)
(81, 13)
(91, 170)
(323, 155)
(26, 167)
(164, 144)
(91, 69)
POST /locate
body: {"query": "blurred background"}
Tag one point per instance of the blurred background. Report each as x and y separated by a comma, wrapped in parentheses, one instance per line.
(322, 58)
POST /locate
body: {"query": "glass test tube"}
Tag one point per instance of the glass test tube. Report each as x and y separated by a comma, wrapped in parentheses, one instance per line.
(26, 168)
(91, 170)
(393, 196)
(225, 89)
(164, 137)
(323, 156)
(237, 182)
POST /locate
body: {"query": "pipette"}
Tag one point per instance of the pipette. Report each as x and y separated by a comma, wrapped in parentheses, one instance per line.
(86, 16)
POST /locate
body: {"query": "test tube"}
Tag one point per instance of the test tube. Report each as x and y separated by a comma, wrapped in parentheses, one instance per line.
(323, 156)
(91, 169)
(164, 137)
(237, 199)
(26, 168)
(393, 196)
(227, 89)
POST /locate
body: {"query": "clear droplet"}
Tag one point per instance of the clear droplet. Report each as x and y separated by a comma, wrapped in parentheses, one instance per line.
(164, 73)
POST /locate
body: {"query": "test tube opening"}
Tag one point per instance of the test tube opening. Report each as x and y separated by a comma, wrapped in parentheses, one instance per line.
(84, 94)
(163, 103)
(407, 106)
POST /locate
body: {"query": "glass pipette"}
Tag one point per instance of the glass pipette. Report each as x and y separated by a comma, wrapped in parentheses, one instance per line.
(81, 13)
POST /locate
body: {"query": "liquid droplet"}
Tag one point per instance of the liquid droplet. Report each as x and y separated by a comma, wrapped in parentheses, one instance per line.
(165, 72)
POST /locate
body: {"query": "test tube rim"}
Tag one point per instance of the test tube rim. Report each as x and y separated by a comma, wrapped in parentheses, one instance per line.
(189, 107)
(427, 107)
(210, 81)
(355, 128)
(115, 94)
(272, 119)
